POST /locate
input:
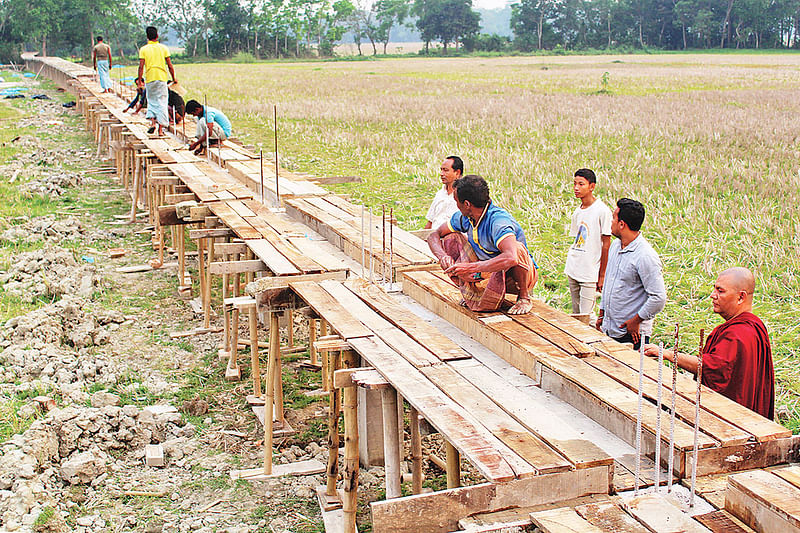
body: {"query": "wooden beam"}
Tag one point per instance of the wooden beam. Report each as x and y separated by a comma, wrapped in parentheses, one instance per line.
(440, 511)
(209, 233)
(237, 267)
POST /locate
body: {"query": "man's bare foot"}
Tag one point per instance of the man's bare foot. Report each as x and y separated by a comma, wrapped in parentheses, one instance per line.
(522, 307)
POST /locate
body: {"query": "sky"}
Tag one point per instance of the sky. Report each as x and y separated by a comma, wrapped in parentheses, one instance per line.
(490, 4)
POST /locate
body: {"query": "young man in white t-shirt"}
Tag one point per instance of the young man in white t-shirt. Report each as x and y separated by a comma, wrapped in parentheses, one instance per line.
(444, 205)
(591, 233)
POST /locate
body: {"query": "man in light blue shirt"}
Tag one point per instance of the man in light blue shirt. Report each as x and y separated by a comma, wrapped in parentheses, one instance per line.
(633, 293)
(212, 124)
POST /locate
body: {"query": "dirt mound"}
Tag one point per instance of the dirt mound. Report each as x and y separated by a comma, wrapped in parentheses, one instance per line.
(52, 272)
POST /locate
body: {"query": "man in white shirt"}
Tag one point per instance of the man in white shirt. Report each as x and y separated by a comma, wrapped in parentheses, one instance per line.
(444, 205)
(591, 233)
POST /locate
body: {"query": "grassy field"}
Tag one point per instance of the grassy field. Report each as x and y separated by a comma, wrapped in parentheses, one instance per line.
(709, 143)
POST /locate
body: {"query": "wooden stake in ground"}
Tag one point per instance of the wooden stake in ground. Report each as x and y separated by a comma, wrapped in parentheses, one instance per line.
(697, 417)
(672, 412)
(350, 473)
(391, 442)
(416, 452)
(274, 347)
(333, 427)
(453, 467)
(639, 422)
(252, 319)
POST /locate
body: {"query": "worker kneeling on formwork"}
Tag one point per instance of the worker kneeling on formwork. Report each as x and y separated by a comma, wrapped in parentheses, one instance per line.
(492, 259)
(212, 125)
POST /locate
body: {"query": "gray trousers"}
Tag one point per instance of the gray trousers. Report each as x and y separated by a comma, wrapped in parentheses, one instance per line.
(584, 294)
(216, 131)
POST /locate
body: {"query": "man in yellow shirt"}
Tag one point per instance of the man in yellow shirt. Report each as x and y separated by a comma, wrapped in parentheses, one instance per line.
(153, 63)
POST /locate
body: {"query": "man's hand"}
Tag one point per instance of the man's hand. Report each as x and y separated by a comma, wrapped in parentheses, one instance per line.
(446, 262)
(651, 350)
(598, 323)
(632, 327)
(463, 271)
(600, 282)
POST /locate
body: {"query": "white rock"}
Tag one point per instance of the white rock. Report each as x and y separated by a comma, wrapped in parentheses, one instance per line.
(82, 468)
(103, 398)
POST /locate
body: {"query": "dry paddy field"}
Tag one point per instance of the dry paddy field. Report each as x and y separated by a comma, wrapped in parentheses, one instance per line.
(709, 143)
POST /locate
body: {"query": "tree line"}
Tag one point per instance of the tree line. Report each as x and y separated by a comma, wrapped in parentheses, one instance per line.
(302, 28)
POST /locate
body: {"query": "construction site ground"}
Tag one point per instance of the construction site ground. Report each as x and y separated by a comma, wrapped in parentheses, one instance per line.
(89, 373)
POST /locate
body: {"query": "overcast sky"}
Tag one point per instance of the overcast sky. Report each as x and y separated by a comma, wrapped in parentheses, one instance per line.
(490, 4)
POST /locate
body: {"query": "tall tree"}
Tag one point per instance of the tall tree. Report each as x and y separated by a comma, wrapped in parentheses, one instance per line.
(388, 13)
(449, 21)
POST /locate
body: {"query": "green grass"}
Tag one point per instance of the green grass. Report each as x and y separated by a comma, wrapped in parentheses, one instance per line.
(702, 140)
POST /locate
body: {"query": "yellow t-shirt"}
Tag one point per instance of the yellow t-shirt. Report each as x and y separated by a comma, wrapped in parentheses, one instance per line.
(155, 57)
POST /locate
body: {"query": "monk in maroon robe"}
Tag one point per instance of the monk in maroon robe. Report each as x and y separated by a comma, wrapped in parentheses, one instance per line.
(737, 358)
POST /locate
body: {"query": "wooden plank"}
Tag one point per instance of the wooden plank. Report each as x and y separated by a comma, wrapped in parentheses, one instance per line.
(721, 521)
(489, 455)
(241, 209)
(274, 260)
(608, 516)
(658, 513)
(236, 267)
(761, 428)
(230, 218)
(304, 263)
(764, 501)
(442, 347)
(579, 450)
(316, 249)
(748, 455)
(790, 474)
(727, 434)
(576, 371)
(562, 520)
(414, 352)
(326, 306)
(439, 512)
(554, 335)
(543, 458)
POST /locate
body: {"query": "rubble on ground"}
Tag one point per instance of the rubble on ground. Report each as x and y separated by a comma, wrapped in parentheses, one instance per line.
(51, 272)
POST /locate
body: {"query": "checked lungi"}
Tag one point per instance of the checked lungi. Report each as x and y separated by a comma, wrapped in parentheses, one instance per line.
(487, 291)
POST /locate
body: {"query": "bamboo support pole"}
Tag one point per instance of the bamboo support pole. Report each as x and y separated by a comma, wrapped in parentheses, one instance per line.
(416, 452)
(334, 398)
(252, 319)
(274, 348)
(312, 338)
(350, 470)
(391, 443)
(453, 466)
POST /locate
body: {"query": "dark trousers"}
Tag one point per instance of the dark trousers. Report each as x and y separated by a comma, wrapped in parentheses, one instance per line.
(628, 339)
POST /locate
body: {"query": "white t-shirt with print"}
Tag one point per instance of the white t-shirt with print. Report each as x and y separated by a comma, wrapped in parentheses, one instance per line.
(586, 229)
(441, 209)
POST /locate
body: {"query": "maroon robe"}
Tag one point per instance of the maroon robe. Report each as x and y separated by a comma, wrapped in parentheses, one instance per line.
(737, 363)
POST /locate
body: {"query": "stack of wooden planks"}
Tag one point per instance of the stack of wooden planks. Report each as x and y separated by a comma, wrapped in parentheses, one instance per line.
(766, 500)
(599, 377)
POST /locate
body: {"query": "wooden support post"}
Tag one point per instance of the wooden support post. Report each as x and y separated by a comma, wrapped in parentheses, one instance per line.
(391, 445)
(312, 338)
(290, 328)
(209, 283)
(252, 319)
(279, 382)
(224, 349)
(333, 428)
(274, 348)
(201, 267)
(416, 452)
(350, 409)
(453, 466)
(233, 358)
(323, 327)
(135, 194)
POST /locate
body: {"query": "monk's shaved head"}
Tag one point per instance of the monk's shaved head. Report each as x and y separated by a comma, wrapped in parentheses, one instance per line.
(740, 279)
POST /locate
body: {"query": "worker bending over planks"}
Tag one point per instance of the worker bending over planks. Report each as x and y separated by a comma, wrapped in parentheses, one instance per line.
(212, 125)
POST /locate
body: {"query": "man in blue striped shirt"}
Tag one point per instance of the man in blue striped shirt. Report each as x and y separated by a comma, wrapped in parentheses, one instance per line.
(633, 293)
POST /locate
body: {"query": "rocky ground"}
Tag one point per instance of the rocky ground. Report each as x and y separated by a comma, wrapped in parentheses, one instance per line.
(89, 374)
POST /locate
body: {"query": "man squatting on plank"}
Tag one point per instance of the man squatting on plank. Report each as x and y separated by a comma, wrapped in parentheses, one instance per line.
(492, 259)
(737, 358)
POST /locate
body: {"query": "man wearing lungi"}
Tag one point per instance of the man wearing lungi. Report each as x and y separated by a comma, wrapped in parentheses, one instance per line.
(153, 63)
(101, 59)
(492, 260)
